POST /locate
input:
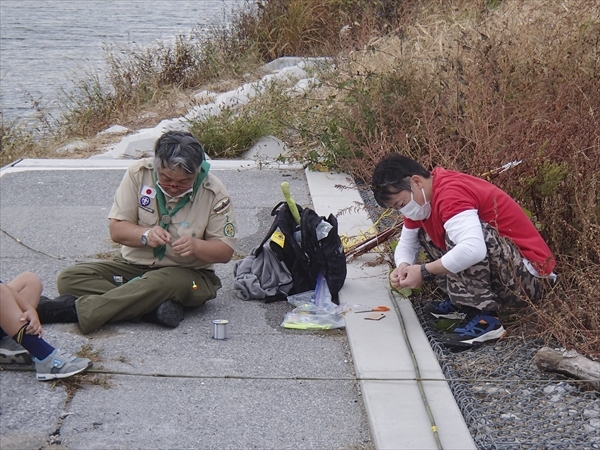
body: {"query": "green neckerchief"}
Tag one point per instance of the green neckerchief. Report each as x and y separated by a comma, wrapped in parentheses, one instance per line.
(165, 215)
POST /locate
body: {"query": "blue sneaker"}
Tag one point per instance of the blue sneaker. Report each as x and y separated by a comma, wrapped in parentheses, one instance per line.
(477, 328)
(444, 310)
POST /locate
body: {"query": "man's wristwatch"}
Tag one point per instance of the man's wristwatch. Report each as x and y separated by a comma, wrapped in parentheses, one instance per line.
(145, 236)
(425, 274)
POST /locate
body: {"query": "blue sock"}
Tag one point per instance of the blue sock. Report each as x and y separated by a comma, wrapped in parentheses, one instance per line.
(35, 345)
(2, 334)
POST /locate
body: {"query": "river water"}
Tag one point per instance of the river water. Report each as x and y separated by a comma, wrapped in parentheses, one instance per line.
(46, 45)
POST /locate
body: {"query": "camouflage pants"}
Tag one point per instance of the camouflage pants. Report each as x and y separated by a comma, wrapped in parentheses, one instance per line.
(501, 279)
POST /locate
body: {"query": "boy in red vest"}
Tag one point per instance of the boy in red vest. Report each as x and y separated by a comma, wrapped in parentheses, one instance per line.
(481, 247)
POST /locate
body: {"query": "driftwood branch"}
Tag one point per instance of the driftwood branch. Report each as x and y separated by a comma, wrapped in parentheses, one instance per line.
(569, 363)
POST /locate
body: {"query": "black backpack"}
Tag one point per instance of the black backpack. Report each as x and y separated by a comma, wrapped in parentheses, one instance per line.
(309, 257)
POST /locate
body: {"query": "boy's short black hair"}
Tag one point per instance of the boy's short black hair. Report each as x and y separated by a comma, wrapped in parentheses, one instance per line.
(392, 175)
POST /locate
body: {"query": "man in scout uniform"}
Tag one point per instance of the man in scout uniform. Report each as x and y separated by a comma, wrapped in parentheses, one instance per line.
(174, 221)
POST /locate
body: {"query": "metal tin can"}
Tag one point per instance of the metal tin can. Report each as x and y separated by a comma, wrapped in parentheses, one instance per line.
(220, 329)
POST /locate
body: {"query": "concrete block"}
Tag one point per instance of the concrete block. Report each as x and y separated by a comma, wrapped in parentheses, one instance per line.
(204, 96)
(202, 112)
(303, 86)
(267, 81)
(173, 125)
(137, 145)
(280, 63)
(318, 62)
(291, 74)
(248, 90)
(71, 147)
(303, 63)
(231, 99)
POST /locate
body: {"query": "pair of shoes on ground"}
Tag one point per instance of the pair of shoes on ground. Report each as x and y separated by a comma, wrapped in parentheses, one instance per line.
(476, 326)
(62, 310)
(59, 364)
(13, 353)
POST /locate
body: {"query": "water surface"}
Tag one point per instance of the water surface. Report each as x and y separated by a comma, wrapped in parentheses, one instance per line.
(47, 44)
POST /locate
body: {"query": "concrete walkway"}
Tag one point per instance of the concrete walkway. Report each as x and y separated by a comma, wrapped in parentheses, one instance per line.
(266, 387)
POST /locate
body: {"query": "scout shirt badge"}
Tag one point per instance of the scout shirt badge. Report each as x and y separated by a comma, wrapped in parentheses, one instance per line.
(222, 207)
(146, 195)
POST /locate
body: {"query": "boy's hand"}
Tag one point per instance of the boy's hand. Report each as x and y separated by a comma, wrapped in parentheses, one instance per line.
(34, 327)
(411, 277)
(398, 275)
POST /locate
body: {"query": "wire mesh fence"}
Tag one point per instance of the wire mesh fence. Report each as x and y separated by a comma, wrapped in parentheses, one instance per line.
(508, 403)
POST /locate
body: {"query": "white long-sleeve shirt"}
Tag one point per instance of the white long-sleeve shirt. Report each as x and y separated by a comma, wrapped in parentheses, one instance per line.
(464, 229)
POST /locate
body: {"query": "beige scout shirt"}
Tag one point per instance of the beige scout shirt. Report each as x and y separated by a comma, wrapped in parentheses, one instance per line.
(208, 216)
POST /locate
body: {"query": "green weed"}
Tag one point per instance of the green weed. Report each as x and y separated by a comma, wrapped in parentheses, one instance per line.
(235, 130)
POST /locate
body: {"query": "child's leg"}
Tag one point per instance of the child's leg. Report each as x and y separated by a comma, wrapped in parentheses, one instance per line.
(29, 287)
(11, 323)
(10, 351)
(10, 311)
(50, 363)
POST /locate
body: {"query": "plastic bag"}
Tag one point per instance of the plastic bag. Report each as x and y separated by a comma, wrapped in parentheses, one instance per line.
(301, 298)
(315, 310)
(323, 229)
(313, 321)
(322, 294)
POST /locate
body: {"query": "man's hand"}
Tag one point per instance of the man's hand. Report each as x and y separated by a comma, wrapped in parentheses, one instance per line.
(128, 233)
(158, 236)
(34, 327)
(184, 246)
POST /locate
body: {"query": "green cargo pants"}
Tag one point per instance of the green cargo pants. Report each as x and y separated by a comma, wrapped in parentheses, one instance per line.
(110, 291)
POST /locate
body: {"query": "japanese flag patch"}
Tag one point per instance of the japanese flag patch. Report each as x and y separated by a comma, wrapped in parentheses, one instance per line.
(148, 191)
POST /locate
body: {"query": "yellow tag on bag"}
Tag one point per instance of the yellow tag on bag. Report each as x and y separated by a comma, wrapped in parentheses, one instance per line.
(278, 238)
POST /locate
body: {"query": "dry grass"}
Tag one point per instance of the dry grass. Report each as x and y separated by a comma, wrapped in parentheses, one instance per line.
(74, 383)
(471, 89)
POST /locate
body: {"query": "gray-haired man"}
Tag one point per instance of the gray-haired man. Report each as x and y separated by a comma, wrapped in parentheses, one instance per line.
(174, 221)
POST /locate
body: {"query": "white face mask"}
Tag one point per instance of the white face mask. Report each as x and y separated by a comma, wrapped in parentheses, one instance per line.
(414, 211)
(177, 196)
